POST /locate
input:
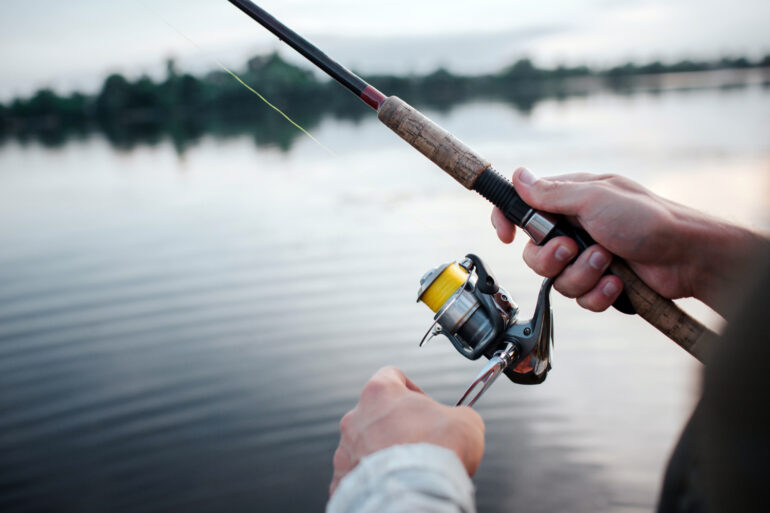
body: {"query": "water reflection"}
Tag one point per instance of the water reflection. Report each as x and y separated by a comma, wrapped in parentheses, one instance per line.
(238, 112)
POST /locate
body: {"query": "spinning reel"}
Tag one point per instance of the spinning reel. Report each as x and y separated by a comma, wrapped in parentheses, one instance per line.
(480, 319)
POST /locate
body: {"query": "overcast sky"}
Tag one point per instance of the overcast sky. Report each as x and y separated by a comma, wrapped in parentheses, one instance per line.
(73, 44)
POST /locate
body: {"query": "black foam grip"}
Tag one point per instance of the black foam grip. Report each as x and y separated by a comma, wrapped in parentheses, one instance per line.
(500, 192)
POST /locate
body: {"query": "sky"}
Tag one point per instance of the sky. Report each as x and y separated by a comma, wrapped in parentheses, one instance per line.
(73, 45)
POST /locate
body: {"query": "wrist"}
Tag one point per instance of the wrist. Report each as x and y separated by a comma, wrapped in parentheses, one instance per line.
(719, 255)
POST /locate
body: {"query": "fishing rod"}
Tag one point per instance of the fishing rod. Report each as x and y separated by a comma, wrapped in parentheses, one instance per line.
(477, 174)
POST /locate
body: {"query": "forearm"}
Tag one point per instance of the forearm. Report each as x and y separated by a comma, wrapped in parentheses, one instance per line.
(716, 255)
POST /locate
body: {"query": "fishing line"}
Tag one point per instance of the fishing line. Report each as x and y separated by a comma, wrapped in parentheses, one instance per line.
(279, 111)
(437, 234)
(240, 81)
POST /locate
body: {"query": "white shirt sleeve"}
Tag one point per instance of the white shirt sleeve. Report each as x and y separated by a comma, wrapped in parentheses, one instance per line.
(413, 477)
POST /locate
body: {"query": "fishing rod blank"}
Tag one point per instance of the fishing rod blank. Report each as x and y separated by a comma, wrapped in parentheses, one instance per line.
(477, 174)
(334, 69)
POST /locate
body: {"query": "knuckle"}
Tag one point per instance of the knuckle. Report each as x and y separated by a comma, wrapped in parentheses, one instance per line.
(550, 270)
(538, 261)
(547, 187)
(591, 303)
(584, 303)
(519, 169)
(565, 288)
(582, 276)
(587, 177)
(392, 369)
(613, 182)
(539, 267)
(385, 372)
(373, 390)
(345, 422)
(530, 251)
(339, 459)
(530, 256)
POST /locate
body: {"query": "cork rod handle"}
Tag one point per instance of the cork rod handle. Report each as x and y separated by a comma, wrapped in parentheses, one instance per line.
(465, 166)
(441, 147)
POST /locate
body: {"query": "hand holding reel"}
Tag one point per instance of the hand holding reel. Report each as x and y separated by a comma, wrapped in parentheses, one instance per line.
(480, 319)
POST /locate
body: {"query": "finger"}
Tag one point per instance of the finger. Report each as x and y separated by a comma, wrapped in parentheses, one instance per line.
(343, 463)
(506, 230)
(584, 273)
(346, 423)
(474, 433)
(387, 383)
(411, 385)
(341, 460)
(555, 196)
(551, 259)
(338, 472)
(336, 478)
(603, 295)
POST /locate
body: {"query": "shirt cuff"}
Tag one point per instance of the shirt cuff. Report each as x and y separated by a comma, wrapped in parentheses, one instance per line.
(412, 477)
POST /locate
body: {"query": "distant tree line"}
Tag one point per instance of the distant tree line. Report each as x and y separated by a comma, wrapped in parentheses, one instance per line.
(184, 107)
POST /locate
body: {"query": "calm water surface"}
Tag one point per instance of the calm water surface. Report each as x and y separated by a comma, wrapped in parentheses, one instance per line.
(183, 333)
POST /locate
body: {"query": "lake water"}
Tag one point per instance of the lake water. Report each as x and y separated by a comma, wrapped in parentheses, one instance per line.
(182, 332)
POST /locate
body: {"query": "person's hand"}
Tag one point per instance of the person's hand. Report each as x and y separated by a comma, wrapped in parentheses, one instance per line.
(393, 410)
(677, 251)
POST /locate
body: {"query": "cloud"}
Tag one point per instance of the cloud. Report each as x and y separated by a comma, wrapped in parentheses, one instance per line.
(468, 52)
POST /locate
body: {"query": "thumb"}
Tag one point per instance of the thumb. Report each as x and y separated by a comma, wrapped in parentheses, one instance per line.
(551, 195)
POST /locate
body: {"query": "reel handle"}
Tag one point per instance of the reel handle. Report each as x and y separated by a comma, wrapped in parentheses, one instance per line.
(476, 173)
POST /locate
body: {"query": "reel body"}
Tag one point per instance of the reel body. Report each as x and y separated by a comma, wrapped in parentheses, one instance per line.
(480, 319)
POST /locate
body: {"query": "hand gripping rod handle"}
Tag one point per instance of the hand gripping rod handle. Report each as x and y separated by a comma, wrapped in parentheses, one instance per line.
(476, 173)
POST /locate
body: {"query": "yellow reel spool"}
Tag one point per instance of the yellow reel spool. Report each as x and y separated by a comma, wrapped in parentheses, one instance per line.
(442, 288)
